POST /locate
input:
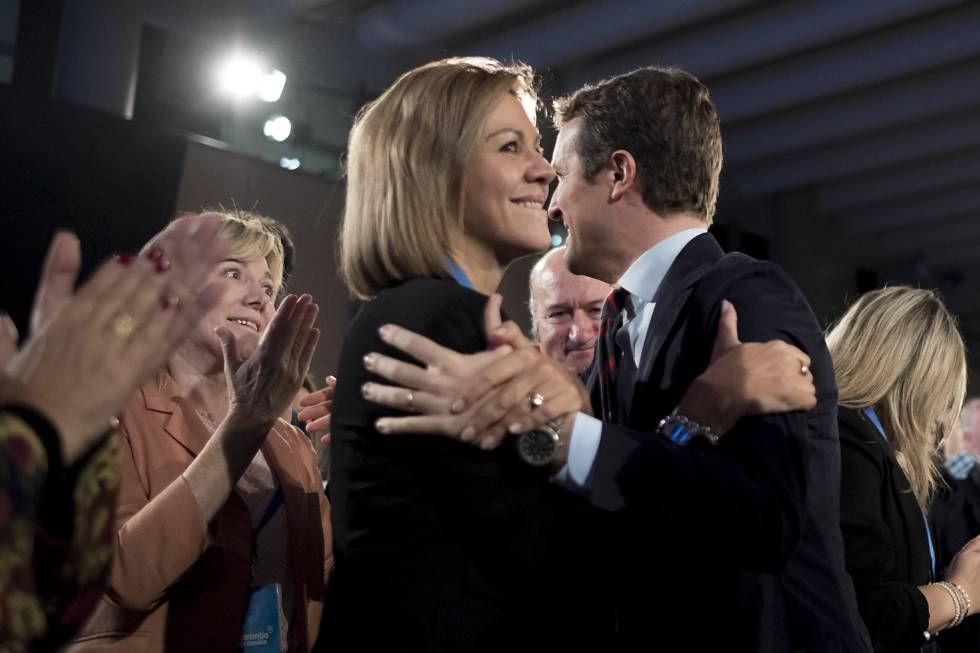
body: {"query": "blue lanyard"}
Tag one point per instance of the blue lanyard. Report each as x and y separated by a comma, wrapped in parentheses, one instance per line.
(870, 414)
(457, 274)
(271, 509)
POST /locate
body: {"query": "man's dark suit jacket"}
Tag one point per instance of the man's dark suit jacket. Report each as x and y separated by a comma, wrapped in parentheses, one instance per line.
(956, 521)
(885, 543)
(441, 546)
(737, 548)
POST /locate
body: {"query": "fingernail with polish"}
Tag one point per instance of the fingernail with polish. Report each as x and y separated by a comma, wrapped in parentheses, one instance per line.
(155, 253)
(162, 264)
(381, 426)
(368, 360)
(366, 390)
(515, 428)
(124, 259)
(467, 434)
(7, 323)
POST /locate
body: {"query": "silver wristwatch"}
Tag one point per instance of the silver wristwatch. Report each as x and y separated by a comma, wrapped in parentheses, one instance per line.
(540, 446)
(682, 431)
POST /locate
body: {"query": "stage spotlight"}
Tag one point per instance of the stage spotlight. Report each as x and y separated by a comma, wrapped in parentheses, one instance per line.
(289, 163)
(277, 128)
(271, 85)
(241, 76)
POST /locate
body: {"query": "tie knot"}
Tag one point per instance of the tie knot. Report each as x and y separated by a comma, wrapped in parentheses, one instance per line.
(616, 301)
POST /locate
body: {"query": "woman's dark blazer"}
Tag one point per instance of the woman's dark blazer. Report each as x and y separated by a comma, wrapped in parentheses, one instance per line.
(441, 546)
(885, 546)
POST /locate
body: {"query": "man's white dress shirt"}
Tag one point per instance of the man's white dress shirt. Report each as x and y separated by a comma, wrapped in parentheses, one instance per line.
(642, 281)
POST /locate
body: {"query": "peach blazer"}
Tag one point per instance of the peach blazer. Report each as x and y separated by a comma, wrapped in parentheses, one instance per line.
(177, 583)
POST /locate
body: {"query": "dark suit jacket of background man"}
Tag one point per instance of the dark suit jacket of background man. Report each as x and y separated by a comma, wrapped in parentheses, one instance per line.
(441, 546)
(737, 548)
(956, 521)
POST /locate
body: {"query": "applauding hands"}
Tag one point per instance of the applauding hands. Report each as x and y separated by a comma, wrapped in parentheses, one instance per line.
(111, 334)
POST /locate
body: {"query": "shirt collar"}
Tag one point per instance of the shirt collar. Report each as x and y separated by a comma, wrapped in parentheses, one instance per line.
(457, 273)
(643, 278)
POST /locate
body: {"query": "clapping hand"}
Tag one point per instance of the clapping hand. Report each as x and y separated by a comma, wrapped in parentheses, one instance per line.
(261, 387)
(89, 350)
(964, 570)
(317, 409)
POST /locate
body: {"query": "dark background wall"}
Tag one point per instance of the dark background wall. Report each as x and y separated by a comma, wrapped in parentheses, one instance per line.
(111, 181)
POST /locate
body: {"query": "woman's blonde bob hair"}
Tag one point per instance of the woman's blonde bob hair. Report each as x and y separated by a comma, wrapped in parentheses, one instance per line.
(899, 350)
(252, 236)
(406, 162)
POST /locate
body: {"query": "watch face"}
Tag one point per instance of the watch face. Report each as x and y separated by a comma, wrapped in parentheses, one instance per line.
(537, 447)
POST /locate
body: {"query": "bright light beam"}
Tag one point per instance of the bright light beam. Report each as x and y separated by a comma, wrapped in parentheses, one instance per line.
(277, 128)
(271, 85)
(241, 76)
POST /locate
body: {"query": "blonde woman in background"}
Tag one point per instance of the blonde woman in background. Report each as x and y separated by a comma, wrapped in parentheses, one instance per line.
(900, 367)
(220, 500)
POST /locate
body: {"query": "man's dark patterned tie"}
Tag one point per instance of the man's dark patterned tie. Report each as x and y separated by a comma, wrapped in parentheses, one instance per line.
(608, 352)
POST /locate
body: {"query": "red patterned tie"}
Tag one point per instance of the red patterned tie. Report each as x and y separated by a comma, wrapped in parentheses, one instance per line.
(608, 353)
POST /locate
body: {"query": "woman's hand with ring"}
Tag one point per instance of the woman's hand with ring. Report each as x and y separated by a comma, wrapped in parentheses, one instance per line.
(111, 334)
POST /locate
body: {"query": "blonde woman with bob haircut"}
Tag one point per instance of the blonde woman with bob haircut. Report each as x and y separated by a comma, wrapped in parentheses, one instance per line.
(439, 546)
(900, 366)
(221, 509)
(407, 166)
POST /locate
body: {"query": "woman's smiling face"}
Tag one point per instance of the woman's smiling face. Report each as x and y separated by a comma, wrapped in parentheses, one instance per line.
(245, 308)
(507, 185)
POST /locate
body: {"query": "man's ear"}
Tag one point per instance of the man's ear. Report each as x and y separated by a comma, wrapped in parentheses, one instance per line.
(623, 171)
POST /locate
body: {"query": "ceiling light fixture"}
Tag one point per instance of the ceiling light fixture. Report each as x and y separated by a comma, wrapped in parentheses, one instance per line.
(242, 76)
(277, 128)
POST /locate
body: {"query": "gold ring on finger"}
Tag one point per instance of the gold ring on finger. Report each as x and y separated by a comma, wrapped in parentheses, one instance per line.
(123, 326)
(535, 400)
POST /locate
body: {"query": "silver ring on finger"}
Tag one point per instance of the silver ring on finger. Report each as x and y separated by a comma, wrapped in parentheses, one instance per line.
(411, 401)
(536, 400)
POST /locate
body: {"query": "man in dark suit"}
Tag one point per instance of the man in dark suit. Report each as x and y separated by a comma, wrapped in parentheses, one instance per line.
(734, 547)
(754, 522)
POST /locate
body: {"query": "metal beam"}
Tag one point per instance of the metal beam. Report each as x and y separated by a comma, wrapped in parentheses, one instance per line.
(942, 134)
(596, 26)
(903, 180)
(911, 240)
(891, 216)
(888, 105)
(397, 25)
(938, 40)
(775, 31)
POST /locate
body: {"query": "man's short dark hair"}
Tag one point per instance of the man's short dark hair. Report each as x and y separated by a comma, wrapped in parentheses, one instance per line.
(665, 119)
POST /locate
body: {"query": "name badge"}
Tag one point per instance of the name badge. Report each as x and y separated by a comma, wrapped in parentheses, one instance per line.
(262, 631)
